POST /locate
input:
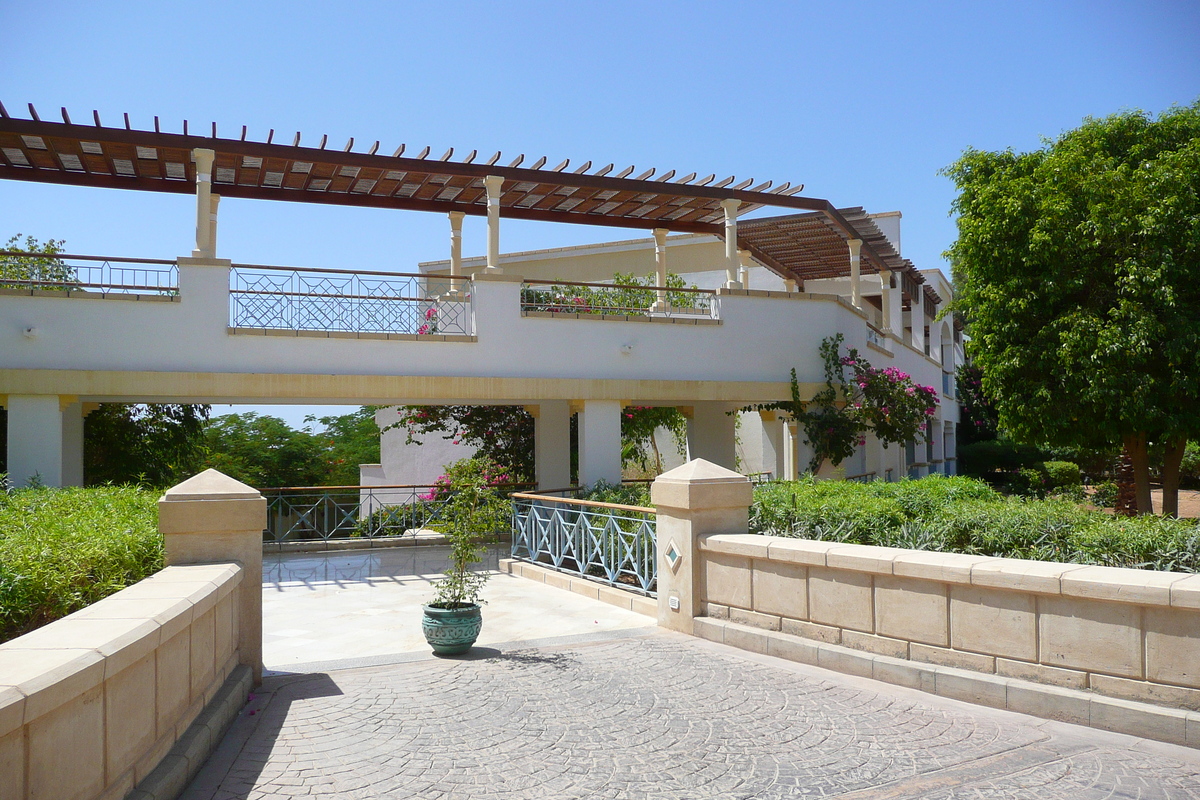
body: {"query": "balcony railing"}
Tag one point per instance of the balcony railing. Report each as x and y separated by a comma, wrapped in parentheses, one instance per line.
(23, 272)
(613, 544)
(322, 513)
(617, 300)
(351, 301)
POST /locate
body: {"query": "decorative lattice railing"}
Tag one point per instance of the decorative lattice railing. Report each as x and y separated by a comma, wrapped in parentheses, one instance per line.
(23, 272)
(610, 543)
(322, 513)
(288, 298)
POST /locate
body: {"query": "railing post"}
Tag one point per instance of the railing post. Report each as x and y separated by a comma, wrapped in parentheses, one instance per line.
(693, 501)
(211, 518)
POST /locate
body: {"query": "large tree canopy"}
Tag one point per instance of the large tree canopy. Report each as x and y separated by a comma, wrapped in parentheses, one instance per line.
(1078, 269)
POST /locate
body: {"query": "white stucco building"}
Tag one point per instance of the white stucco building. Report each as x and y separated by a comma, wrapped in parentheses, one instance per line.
(202, 328)
(763, 444)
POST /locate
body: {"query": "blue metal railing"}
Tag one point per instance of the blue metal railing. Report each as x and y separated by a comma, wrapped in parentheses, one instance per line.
(610, 543)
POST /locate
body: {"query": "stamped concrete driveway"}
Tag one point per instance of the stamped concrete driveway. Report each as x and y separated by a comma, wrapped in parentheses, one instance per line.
(644, 713)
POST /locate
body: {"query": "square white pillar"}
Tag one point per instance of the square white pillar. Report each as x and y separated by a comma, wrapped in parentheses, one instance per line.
(775, 432)
(552, 444)
(72, 445)
(600, 441)
(35, 439)
(712, 434)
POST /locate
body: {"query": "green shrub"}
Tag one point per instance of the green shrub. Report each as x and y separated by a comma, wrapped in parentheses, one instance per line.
(1189, 468)
(625, 494)
(965, 515)
(1061, 474)
(62, 549)
(1104, 495)
(923, 497)
(834, 510)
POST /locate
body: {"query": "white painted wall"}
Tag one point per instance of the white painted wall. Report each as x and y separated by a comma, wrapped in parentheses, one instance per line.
(758, 341)
(403, 464)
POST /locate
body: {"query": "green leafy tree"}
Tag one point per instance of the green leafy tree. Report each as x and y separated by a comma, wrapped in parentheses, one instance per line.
(979, 421)
(475, 512)
(22, 272)
(638, 425)
(156, 445)
(264, 451)
(349, 440)
(1076, 266)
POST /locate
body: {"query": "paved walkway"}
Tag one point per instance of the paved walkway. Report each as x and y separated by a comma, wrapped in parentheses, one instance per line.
(360, 608)
(643, 713)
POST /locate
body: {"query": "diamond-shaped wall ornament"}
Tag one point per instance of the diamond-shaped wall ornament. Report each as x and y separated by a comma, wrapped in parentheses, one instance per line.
(674, 557)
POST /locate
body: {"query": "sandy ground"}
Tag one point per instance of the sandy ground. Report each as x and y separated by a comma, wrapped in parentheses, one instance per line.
(1189, 502)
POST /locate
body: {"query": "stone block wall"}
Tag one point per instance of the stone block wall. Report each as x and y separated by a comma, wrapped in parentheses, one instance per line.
(92, 703)
(1123, 633)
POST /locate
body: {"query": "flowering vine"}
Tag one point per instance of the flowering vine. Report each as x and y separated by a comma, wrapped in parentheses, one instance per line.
(857, 399)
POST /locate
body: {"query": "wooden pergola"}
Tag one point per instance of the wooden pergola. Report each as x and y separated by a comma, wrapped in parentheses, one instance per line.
(797, 246)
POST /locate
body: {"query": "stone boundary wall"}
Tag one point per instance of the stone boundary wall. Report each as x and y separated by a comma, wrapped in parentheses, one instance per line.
(1123, 633)
(92, 703)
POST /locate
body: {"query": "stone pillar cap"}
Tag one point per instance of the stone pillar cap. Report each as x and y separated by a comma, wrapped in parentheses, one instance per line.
(701, 485)
(700, 471)
(211, 485)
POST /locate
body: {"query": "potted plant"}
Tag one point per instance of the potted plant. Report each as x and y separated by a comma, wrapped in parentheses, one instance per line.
(473, 511)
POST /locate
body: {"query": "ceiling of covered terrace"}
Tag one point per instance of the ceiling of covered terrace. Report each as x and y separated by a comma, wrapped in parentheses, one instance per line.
(797, 246)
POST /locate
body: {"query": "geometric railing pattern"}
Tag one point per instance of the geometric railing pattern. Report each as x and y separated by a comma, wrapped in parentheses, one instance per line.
(610, 543)
(287, 298)
(349, 512)
(93, 275)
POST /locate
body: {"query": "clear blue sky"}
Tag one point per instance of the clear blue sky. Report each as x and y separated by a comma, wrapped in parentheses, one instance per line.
(862, 103)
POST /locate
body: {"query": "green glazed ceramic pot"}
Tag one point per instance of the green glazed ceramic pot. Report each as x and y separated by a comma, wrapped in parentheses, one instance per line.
(451, 631)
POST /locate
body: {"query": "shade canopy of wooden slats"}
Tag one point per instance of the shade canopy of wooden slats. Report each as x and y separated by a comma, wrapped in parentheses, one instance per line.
(796, 246)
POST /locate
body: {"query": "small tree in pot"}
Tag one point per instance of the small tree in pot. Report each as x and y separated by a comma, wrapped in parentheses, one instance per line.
(474, 511)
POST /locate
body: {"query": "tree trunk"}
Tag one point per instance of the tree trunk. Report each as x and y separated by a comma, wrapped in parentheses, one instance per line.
(1136, 444)
(1172, 457)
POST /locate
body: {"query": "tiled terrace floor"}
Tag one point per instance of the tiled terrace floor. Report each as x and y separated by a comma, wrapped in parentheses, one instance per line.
(642, 713)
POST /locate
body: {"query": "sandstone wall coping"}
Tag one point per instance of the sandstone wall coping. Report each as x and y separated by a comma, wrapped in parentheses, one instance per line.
(54, 664)
(1114, 584)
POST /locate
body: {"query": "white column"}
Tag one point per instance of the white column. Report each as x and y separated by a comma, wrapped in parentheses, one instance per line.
(744, 268)
(916, 319)
(792, 466)
(214, 201)
(204, 207)
(600, 441)
(660, 267)
(552, 444)
(72, 444)
(776, 434)
(855, 270)
(885, 299)
(935, 342)
(790, 285)
(494, 183)
(712, 434)
(731, 256)
(456, 222)
(35, 439)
